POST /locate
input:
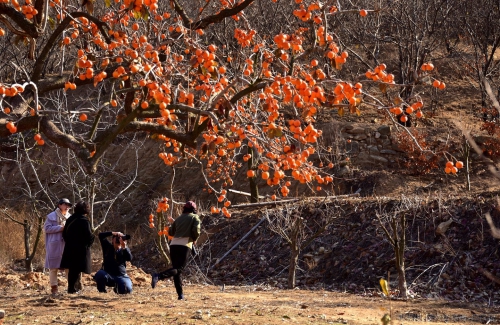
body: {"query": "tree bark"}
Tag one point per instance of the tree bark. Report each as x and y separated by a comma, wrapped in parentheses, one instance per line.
(403, 289)
(27, 261)
(292, 269)
(399, 249)
(294, 250)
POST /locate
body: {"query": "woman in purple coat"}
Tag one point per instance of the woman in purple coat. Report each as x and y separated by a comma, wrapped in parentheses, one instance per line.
(54, 243)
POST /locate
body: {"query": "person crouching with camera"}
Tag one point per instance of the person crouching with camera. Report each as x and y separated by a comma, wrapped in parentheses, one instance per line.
(115, 255)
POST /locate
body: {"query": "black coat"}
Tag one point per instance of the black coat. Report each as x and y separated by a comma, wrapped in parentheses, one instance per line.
(114, 262)
(78, 238)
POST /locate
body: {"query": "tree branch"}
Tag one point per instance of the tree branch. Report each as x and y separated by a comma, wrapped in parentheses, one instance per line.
(180, 11)
(207, 21)
(186, 108)
(7, 10)
(8, 216)
(37, 69)
(389, 237)
(54, 82)
(248, 90)
(186, 139)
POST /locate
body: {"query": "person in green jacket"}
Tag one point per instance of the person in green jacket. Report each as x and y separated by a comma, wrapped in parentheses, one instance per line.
(185, 230)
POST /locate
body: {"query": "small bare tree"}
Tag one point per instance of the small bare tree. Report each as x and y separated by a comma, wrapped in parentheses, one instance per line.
(299, 224)
(36, 198)
(394, 224)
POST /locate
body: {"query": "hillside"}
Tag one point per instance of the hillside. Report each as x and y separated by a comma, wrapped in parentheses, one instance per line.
(337, 279)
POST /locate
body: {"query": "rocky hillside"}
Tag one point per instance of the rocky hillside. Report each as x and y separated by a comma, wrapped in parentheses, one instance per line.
(450, 250)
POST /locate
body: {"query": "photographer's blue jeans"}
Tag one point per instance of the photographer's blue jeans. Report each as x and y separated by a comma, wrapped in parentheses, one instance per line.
(122, 284)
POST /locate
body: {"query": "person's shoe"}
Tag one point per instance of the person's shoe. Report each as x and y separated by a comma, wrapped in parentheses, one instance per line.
(181, 297)
(154, 280)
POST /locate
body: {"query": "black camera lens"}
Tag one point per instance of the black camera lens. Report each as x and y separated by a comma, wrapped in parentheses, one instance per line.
(126, 237)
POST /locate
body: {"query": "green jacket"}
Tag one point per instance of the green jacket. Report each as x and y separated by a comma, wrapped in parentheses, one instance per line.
(186, 225)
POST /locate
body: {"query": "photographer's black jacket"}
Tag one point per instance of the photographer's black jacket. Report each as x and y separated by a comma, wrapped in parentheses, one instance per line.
(114, 261)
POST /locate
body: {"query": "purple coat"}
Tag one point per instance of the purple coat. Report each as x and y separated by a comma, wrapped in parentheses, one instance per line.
(54, 243)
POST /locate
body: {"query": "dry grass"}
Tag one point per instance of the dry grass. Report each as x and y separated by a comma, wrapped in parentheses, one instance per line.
(11, 247)
(12, 242)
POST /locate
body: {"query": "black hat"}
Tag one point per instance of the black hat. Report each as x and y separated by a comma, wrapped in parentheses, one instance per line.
(64, 200)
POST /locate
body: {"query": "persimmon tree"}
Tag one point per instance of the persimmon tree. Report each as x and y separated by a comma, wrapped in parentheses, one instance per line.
(164, 69)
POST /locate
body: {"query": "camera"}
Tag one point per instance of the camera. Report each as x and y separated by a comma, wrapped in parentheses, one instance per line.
(124, 237)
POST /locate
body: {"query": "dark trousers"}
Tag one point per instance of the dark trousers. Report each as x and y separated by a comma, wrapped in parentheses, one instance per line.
(74, 278)
(179, 255)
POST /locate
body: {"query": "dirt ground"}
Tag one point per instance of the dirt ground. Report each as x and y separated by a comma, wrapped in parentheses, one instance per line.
(25, 299)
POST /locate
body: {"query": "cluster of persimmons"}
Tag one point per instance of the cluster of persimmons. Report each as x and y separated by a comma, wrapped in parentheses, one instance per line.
(271, 127)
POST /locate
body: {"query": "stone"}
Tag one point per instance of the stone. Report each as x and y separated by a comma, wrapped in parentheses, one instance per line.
(388, 152)
(443, 227)
(385, 130)
(344, 171)
(394, 146)
(373, 149)
(363, 156)
(379, 158)
(356, 130)
(359, 137)
(353, 147)
(377, 135)
(373, 158)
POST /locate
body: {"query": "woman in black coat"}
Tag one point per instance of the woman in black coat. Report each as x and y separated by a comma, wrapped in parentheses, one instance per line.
(78, 238)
